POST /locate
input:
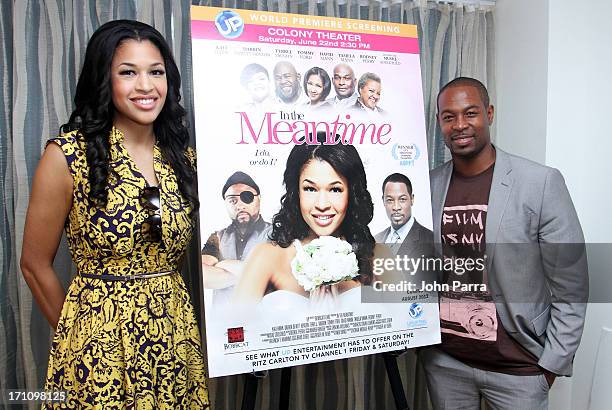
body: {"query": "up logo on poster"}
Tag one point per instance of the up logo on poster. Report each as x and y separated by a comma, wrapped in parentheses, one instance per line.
(416, 310)
(229, 24)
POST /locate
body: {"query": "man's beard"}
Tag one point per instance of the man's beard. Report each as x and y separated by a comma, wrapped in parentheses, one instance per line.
(398, 225)
(245, 225)
(288, 99)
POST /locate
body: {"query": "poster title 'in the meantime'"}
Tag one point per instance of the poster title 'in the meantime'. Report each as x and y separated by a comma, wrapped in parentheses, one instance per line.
(291, 128)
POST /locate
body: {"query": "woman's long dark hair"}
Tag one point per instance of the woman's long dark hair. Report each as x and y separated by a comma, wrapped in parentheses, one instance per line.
(288, 224)
(94, 109)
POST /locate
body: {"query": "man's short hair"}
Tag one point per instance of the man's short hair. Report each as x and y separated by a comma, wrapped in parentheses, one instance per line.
(249, 71)
(239, 177)
(367, 77)
(397, 177)
(469, 82)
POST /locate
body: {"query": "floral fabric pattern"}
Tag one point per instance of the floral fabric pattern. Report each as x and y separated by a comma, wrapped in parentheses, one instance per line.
(126, 344)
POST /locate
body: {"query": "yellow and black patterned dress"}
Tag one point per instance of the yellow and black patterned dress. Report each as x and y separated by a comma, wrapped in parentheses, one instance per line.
(126, 344)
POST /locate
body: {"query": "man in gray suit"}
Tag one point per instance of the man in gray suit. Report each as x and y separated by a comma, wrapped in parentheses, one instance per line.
(505, 343)
(405, 236)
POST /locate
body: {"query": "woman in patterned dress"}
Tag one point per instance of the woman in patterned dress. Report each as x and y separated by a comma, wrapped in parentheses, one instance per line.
(121, 183)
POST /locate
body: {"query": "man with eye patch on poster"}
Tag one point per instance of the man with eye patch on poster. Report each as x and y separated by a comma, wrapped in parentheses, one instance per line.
(225, 251)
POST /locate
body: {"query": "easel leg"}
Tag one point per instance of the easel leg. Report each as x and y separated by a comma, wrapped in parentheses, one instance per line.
(249, 397)
(395, 381)
(285, 388)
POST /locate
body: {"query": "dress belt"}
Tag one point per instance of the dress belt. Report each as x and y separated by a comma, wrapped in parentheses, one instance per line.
(126, 278)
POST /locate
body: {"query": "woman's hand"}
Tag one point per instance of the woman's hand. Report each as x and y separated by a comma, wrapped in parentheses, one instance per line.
(324, 293)
(50, 203)
(324, 297)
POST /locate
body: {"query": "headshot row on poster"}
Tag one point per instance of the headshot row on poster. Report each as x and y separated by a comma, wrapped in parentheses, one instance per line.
(312, 90)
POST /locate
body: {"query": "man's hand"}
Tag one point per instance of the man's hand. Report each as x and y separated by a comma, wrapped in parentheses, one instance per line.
(217, 275)
(233, 266)
(209, 260)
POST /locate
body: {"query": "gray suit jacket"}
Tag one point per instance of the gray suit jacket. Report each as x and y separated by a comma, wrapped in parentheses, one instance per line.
(417, 244)
(414, 243)
(536, 259)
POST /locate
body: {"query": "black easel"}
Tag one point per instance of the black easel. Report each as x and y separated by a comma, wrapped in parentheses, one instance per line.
(285, 388)
(395, 379)
(251, 383)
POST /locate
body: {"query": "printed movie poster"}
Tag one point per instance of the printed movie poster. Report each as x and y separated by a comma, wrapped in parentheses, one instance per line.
(299, 120)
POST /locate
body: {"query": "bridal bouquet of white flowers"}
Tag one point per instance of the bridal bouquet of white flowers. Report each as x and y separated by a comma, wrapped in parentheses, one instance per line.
(324, 261)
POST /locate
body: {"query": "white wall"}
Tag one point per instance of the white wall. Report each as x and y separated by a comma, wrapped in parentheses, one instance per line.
(579, 92)
(553, 74)
(577, 142)
(521, 34)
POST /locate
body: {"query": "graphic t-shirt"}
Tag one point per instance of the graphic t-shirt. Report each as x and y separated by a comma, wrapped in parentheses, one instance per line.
(470, 326)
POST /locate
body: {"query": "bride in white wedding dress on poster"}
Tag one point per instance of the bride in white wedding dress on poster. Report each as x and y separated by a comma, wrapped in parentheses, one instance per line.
(322, 249)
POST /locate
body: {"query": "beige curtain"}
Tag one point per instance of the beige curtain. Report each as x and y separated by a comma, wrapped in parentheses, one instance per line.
(41, 52)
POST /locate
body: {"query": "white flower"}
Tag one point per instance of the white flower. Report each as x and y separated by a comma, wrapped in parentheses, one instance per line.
(324, 261)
